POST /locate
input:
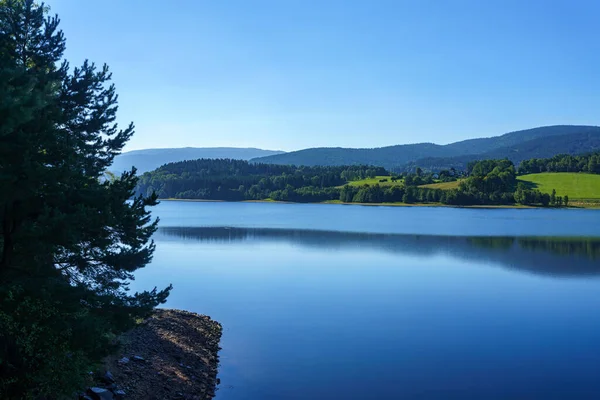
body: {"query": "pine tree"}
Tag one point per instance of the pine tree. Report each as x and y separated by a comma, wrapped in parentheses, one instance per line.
(70, 239)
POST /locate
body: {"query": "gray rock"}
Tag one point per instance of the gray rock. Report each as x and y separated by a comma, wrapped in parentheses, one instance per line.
(97, 393)
(108, 377)
(120, 394)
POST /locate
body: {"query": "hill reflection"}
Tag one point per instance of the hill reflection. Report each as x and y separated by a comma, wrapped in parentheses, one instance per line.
(539, 255)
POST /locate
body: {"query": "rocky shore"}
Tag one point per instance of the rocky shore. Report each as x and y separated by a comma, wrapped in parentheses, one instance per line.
(171, 355)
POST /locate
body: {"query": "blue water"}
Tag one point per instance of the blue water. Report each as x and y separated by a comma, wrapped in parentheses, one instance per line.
(351, 302)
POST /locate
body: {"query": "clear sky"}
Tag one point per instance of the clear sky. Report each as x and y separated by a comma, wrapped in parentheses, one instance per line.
(291, 74)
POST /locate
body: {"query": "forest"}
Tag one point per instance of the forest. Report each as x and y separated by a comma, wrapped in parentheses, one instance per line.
(488, 182)
(562, 163)
(236, 180)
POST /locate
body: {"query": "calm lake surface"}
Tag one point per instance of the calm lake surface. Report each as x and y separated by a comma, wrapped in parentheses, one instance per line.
(354, 302)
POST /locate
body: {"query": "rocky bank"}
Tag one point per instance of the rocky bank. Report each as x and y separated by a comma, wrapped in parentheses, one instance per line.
(171, 355)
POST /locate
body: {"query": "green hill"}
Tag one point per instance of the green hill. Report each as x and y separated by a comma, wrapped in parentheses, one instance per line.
(387, 157)
(517, 146)
(578, 186)
(543, 147)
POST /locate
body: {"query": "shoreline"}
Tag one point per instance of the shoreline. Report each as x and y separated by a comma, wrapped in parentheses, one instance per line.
(171, 355)
(576, 205)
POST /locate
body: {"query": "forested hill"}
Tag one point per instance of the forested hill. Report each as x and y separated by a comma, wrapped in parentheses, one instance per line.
(389, 157)
(150, 159)
(489, 182)
(517, 146)
(572, 144)
(225, 179)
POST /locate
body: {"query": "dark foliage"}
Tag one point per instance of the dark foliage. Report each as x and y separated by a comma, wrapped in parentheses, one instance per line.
(236, 180)
(490, 182)
(562, 163)
(390, 194)
(526, 196)
(70, 239)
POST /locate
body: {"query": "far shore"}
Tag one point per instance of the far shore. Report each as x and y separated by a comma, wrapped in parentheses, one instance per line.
(574, 204)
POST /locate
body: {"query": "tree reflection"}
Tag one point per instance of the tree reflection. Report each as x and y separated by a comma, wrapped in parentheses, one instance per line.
(549, 256)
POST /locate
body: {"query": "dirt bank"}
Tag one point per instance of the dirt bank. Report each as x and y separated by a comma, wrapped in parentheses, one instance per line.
(171, 355)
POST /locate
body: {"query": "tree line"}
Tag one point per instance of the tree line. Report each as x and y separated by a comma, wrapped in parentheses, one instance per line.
(235, 180)
(562, 163)
(489, 182)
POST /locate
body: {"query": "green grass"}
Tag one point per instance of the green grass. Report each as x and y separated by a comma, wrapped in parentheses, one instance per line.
(578, 186)
(442, 185)
(375, 181)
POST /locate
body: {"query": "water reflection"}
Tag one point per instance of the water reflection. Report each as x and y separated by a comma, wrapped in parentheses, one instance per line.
(560, 257)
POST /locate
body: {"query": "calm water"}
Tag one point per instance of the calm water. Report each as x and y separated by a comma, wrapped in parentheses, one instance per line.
(351, 302)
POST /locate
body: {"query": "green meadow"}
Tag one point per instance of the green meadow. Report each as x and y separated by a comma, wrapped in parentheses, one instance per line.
(375, 181)
(442, 185)
(578, 186)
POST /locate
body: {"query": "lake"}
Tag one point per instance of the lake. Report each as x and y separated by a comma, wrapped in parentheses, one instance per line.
(362, 302)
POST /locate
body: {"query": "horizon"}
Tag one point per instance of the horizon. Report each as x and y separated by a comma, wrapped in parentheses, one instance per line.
(343, 147)
(300, 75)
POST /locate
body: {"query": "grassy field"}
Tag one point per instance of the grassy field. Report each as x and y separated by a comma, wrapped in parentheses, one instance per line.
(577, 186)
(375, 181)
(442, 185)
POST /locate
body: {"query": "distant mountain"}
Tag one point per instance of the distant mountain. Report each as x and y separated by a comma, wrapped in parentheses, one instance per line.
(514, 145)
(484, 145)
(541, 147)
(383, 156)
(150, 159)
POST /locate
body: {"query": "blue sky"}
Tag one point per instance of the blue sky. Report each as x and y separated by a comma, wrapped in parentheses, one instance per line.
(292, 74)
